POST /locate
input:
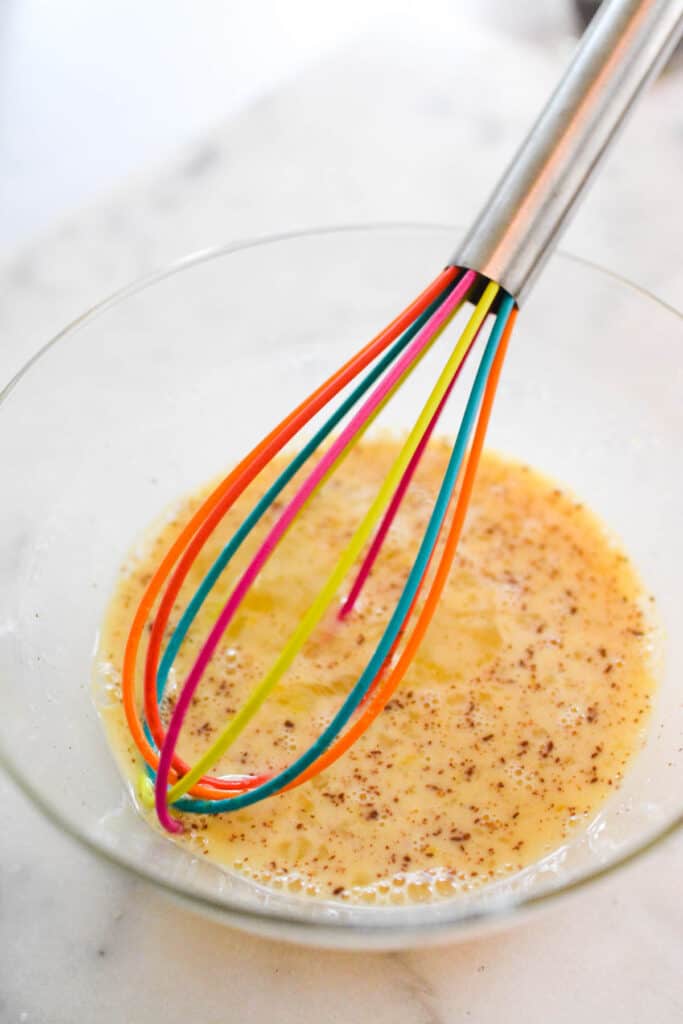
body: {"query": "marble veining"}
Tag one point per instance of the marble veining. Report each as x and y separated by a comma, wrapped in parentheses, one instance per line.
(417, 988)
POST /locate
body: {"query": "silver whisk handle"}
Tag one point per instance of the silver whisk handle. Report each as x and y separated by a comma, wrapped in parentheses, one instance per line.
(627, 41)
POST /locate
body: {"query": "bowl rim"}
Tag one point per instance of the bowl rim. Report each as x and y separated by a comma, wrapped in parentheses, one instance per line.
(262, 918)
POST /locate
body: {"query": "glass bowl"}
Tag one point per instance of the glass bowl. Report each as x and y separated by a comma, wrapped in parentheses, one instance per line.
(165, 384)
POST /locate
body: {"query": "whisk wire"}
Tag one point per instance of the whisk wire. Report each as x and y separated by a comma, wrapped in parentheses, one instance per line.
(179, 558)
(348, 436)
(325, 596)
(321, 754)
(332, 458)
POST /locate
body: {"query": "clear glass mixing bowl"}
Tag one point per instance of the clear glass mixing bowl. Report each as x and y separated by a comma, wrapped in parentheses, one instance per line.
(166, 383)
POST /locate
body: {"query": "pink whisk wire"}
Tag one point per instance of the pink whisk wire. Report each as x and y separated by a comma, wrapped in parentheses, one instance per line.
(392, 510)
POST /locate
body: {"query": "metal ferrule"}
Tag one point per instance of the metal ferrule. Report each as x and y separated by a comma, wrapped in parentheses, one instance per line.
(626, 43)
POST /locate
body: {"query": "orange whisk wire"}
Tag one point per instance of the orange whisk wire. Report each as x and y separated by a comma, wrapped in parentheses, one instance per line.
(193, 536)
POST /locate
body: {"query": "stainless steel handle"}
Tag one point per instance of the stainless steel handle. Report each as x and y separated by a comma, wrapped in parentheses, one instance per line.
(514, 234)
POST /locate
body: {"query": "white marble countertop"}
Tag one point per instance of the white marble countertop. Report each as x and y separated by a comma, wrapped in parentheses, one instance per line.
(81, 942)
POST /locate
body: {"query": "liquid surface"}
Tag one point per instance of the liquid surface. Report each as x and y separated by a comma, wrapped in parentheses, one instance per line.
(514, 724)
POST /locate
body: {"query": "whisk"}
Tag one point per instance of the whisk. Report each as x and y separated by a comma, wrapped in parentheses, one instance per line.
(492, 271)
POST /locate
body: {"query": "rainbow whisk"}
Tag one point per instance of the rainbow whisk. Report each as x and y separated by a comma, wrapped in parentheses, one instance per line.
(391, 356)
(492, 272)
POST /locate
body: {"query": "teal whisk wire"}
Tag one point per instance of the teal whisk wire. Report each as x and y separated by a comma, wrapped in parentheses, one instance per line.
(402, 610)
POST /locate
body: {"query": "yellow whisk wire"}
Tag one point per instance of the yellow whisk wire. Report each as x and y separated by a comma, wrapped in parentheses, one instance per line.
(324, 598)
